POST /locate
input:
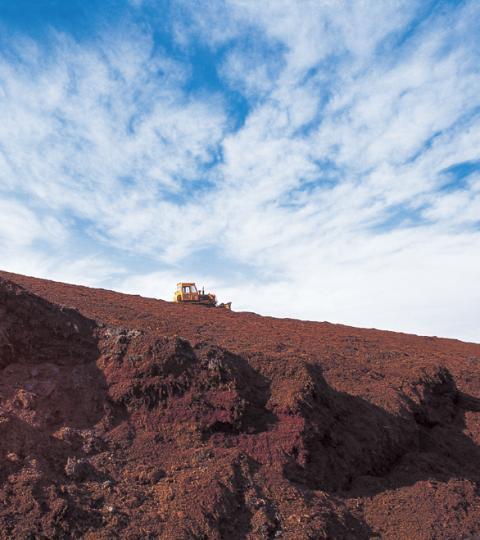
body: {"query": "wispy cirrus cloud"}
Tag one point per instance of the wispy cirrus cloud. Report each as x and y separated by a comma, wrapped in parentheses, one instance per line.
(103, 133)
(293, 154)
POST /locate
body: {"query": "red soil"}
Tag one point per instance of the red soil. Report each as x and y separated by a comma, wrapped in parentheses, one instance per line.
(122, 416)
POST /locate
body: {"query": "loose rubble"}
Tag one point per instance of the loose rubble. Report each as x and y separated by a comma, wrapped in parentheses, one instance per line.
(123, 416)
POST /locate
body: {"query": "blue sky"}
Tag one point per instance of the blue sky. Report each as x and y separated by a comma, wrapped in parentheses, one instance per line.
(309, 159)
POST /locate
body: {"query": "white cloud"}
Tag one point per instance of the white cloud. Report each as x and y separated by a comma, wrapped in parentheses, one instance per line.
(340, 137)
(97, 133)
(18, 225)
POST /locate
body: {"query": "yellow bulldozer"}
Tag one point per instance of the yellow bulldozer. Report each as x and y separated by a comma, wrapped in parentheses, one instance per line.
(187, 293)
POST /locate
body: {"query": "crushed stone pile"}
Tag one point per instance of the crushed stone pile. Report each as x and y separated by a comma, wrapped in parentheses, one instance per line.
(129, 417)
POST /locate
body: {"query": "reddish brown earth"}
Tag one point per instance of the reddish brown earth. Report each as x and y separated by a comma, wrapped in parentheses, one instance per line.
(128, 417)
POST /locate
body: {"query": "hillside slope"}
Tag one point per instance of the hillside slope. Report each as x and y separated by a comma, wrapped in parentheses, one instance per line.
(122, 416)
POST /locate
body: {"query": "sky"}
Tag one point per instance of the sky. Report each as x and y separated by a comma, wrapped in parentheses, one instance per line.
(313, 159)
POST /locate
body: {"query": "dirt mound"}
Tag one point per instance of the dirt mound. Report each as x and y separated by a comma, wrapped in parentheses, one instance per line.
(128, 417)
(34, 331)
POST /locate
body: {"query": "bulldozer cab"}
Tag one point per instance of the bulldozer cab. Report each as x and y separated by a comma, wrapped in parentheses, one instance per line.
(186, 292)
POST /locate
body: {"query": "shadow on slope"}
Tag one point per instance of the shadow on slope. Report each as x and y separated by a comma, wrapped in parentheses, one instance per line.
(52, 399)
(351, 446)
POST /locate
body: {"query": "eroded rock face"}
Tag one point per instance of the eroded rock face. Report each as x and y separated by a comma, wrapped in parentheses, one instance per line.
(34, 331)
(210, 388)
(113, 425)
